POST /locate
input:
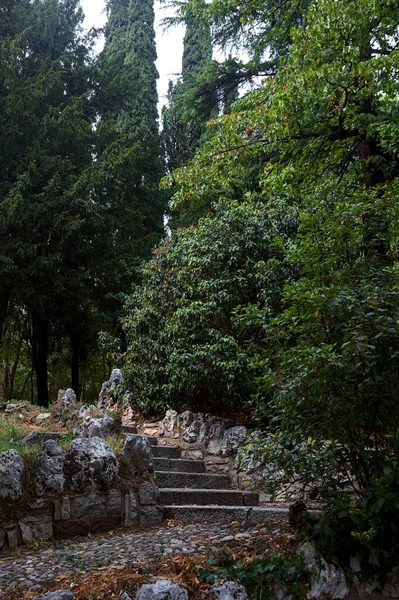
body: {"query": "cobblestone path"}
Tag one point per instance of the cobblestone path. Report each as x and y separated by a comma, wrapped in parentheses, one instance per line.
(31, 569)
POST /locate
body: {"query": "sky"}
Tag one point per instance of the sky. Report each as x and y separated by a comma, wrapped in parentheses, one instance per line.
(169, 43)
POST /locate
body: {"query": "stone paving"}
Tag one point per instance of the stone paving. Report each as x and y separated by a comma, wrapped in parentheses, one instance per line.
(32, 569)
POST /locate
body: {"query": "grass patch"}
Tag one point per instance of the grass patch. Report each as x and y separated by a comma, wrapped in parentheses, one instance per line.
(116, 441)
(12, 431)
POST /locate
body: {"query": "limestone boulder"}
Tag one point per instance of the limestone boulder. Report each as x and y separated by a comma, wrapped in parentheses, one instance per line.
(105, 401)
(39, 437)
(195, 432)
(13, 407)
(11, 473)
(96, 427)
(101, 427)
(50, 477)
(91, 465)
(87, 411)
(229, 590)
(161, 590)
(136, 459)
(233, 438)
(169, 426)
(214, 436)
(65, 407)
(41, 417)
(326, 580)
(185, 419)
(57, 595)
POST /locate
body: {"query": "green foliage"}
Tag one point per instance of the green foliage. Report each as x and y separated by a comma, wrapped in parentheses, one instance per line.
(259, 575)
(12, 431)
(317, 143)
(184, 117)
(183, 345)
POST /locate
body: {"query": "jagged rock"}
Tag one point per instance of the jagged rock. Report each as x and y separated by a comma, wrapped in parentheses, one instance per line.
(64, 409)
(326, 580)
(229, 590)
(127, 399)
(11, 471)
(101, 427)
(15, 407)
(81, 429)
(214, 436)
(50, 477)
(136, 458)
(58, 595)
(104, 399)
(39, 437)
(42, 417)
(129, 415)
(87, 411)
(366, 587)
(391, 587)
(91, 464)
(161, 590)
(193, 431)
(169, 426)
(186, 418)
(125, 596)
(232, 440)
(96, 427)
(280, 592)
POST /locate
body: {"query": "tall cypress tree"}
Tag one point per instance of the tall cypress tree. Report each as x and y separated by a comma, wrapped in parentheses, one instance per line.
(184, 117)
(129, 165)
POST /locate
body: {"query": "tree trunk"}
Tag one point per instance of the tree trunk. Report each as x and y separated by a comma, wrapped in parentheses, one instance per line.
(75, 366)
(4, 300)
(40, 356)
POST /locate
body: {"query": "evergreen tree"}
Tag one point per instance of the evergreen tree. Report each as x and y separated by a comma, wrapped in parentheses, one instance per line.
(45, 120)
(184, 118)
(129, 165)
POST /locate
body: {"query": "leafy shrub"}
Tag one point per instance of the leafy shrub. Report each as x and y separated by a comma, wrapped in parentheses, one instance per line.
(184, 347)
(259, 575)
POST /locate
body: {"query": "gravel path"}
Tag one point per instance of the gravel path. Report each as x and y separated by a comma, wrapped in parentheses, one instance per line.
(32, 569)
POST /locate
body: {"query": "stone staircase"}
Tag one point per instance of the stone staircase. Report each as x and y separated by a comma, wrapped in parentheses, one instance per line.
(189, 494)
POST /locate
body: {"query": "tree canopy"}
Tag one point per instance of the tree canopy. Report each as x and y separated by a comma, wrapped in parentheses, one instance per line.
(315, 148)
(80, 165)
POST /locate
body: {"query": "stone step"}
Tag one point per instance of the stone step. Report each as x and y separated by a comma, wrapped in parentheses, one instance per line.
(172, 479)
(129, 429)
(179, 465)
(182, 496)
(166, 452)
(245, 515)
(152, 439)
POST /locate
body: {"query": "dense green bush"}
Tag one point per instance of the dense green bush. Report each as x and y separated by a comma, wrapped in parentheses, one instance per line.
(184, 347)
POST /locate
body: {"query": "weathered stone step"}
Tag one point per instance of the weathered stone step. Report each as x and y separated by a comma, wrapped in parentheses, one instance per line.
(172, 479)
(129, 429)
(152, 439)
(179, 465)
(165, 452)
(225, 514)
(182, 496)
(132, 429)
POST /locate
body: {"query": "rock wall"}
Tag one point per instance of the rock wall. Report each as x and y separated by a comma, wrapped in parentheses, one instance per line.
(85, 489)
